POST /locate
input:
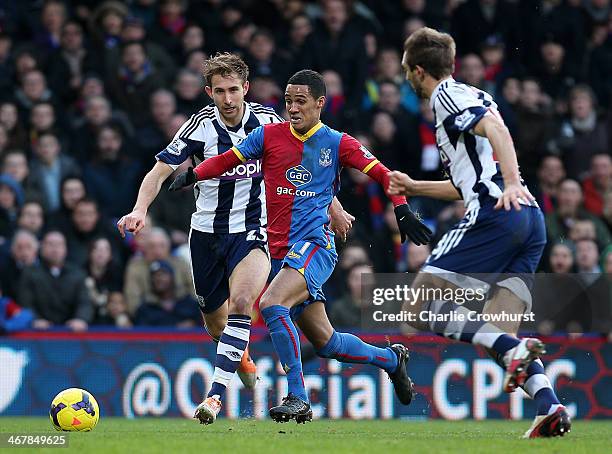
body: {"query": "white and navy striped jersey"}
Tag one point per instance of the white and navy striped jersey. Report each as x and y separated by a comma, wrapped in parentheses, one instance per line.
(467, 158)
(236, 201)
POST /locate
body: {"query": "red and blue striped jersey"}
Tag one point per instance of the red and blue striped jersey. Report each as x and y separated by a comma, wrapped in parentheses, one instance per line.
(302, 176)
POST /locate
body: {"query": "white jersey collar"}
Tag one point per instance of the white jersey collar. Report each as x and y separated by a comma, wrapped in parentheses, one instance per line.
(434, 93)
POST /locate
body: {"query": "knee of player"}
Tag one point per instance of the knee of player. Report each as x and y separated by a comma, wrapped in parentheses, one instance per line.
(269, 299)
(214, 330)
(265, 301)
(214, 327)
(240, 304)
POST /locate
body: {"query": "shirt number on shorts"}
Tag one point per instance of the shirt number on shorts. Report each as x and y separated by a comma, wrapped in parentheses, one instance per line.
(257, 235)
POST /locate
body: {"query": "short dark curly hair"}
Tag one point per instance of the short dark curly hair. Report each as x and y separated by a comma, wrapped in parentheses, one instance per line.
(312, 79)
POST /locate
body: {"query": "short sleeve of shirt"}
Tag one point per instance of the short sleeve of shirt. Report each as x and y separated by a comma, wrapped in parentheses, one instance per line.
(186, 142)
(353, 154)
(461, 107)
(252, 145)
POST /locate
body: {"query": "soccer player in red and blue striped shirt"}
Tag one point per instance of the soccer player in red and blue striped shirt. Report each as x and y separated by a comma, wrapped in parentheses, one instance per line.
(302, 160)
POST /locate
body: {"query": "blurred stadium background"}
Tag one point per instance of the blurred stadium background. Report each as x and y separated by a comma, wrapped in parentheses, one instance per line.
(82, 115)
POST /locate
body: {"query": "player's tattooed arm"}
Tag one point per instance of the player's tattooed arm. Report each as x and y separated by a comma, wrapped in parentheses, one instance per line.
(402, 184)
(493, 128)
(341, 221)
(151, 184)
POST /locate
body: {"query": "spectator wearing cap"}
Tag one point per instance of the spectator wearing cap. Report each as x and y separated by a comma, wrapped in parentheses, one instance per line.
(497, 68)
(582, 134)
(156, 246)
(168, 309)
(11, 200)
(54, 290)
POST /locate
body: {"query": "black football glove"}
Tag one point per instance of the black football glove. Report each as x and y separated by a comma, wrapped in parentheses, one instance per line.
(410, 226)
(184, 180)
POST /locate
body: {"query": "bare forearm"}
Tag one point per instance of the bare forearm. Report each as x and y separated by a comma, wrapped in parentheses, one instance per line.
(504, 150)
(335, 207)
(151, 184)
(496, 131)
(442, 190)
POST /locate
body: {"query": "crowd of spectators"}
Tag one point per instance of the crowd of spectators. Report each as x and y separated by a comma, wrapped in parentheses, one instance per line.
(90, 91)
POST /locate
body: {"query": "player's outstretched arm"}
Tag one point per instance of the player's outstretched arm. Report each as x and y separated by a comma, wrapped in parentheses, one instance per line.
(250, 148)
(151, 184)
(402, 184)
(493, 128)
(211, 168)
(353, 154)
(409, 224)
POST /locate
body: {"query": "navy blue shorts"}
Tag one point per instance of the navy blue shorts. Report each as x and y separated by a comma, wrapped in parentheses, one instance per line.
(213, 259)
(491, 242)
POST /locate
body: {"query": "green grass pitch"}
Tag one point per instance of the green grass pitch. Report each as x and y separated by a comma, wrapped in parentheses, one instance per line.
(165, 435)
